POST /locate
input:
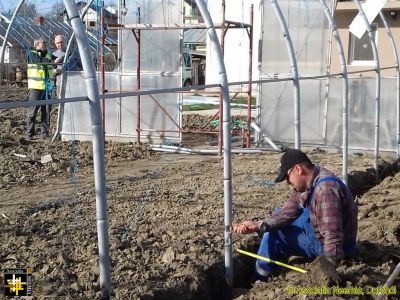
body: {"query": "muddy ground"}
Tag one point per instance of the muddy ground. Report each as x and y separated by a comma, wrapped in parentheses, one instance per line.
(166, 219)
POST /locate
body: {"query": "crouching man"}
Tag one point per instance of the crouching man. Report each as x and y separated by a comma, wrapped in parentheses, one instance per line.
(318, 219)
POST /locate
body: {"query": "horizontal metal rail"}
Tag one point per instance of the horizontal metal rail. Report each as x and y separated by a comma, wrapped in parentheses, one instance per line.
(25, 103)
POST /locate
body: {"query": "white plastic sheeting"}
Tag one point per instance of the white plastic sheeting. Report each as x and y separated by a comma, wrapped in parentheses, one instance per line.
(362, 114)
(160, 48)
(309, 34)
(320, 99)
(160, 68)
(236, 55)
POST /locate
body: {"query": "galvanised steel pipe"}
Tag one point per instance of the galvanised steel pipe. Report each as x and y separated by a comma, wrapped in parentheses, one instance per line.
(378, 84)
(3, 47)
(220, 103)
(396, 62)
(250, 86)
(98, 146)
(175, 149)
(257, 136)
(345, 86)
(226, 141)
(295, 73)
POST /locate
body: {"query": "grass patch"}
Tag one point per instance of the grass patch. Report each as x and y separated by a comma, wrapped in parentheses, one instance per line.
(243, 100)
(201, 106)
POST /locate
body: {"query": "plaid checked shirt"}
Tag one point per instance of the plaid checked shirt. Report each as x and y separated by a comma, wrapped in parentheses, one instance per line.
(331, 213)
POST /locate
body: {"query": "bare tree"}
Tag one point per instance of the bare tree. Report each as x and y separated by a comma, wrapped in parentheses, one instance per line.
(56, 11)
(28, 10)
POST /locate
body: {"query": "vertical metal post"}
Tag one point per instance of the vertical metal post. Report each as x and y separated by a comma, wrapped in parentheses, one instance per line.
(137, 35)
(295, 73)
(220, 106)
(102, 69)
(250, 87)
(119, 50)
(227, 143)
(261, 7)
(377, 87)
(98, 147)
(345, 84)
(396, 62)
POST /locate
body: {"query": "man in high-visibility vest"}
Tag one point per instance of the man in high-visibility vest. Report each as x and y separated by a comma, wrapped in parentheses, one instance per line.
(40, 84)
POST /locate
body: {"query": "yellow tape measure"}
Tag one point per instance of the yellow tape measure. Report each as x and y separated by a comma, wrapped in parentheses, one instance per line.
(271, 261)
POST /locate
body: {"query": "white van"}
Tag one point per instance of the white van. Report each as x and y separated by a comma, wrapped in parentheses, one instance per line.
(187, 68)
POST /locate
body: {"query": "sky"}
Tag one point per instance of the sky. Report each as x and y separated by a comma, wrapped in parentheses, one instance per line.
(41, 5)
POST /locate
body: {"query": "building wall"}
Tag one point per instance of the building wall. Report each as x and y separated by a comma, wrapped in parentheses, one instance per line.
(345, 15)
(191, 15)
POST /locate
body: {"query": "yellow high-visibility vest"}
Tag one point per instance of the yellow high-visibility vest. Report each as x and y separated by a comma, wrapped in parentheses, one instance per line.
(40, 72)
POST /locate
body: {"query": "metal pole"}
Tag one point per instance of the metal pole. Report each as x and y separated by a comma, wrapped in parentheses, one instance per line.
(259, 69)
(295, 73)
(138, 88)
(328, 80)
(102, 69)
(98, 147)
(345, 86)
(378, 85)
(3, 47)
(396, 62)
(120, 69)
(249, 90)
(227, 143)
(138, 54)
(220, 106)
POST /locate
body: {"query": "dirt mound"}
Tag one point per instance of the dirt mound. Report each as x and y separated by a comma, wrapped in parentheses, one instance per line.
(166, 223)
(25, 162)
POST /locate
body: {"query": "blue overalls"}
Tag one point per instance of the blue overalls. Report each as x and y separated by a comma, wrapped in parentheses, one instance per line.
(297, 239)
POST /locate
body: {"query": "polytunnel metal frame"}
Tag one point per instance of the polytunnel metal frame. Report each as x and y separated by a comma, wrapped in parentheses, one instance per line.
(295, 73)
(98, 142)
(345, 85)
(224, 26)
(136, 29)
(296, 82)
(249, 29)
(396, 62)
(98, 146)
(227, 143)
(377, 80)
(3, 46)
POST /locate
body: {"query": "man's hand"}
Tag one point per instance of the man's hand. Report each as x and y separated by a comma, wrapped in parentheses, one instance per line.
(246, 227)
(59, 59)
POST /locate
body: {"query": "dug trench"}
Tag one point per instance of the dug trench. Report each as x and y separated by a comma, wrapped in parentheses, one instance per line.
(166, 219)
(353, 277)
(165, 226)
